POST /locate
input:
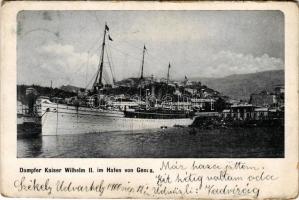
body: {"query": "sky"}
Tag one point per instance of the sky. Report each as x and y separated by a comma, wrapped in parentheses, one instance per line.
(65, 46)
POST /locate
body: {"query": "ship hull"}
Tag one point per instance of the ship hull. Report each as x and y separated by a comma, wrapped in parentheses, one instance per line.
(63, 120)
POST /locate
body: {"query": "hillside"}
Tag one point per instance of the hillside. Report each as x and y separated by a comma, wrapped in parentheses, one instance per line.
(70, 88)
(240, 86)
(43, 91)
(237, 86)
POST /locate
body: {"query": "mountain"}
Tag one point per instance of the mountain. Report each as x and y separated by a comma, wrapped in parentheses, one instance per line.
(236, 86)
(241, 86)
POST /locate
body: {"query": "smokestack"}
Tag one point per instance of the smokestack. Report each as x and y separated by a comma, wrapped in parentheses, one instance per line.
(31, 95)
(153, 87)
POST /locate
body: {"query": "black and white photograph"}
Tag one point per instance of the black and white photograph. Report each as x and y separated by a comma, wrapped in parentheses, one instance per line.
(150, 84)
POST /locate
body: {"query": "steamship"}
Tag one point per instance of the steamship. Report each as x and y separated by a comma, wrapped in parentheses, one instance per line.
(63, 119)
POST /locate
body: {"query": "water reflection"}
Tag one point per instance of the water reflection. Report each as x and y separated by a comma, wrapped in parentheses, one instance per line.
(30, 147)
(171, 143)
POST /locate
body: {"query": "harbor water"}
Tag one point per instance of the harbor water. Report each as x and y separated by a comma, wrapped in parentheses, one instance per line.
(175, 142)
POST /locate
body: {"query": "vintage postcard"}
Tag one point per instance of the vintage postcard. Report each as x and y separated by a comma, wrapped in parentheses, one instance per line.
(149, 100)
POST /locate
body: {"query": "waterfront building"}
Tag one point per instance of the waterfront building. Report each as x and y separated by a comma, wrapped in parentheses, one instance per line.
(201, 104)
(242, 111)
(226, 113)
(261, 113)
(248, 112)
(279, 92)
(279, 89)
(31, 90)
(263, 99)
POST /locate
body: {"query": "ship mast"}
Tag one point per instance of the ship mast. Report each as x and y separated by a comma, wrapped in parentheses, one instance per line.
(167, 79)
(142, 63)
(99, 83)
(168, 74)
(141, 76)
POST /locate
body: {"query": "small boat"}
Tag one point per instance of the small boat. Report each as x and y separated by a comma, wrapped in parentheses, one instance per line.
(28, 126)
(28, 121)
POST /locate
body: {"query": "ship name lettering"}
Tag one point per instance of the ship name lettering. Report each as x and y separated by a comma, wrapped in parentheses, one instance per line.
(72, 170)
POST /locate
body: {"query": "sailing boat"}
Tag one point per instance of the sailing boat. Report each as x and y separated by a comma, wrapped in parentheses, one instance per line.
(62, 119)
